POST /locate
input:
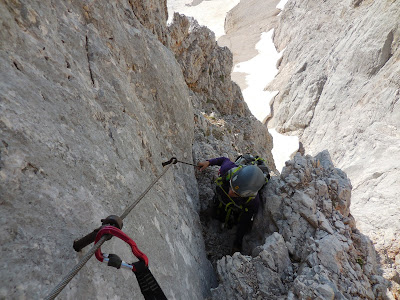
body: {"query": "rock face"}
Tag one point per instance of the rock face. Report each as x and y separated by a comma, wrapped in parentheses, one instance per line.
(223, 124)
(93, 98)
(310, 247)
(89, 111)
(339, 82)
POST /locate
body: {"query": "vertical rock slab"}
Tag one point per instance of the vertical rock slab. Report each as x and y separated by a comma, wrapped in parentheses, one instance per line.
(91, 104)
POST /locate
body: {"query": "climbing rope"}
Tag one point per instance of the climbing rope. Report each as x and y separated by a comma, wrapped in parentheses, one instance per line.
(91, 237)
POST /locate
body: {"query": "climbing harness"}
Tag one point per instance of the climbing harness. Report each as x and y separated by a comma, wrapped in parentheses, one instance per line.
(241, 161)
(111, 226)
(231, 205)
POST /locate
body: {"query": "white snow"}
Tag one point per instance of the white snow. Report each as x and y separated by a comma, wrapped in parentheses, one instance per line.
(284, 146)
(281, 4)
(261, 70)
(207, 13)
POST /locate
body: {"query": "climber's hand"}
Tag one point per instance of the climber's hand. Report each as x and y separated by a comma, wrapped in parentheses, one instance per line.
(202, 165)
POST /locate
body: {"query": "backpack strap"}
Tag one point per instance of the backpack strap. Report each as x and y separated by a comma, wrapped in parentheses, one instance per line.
(231, 204)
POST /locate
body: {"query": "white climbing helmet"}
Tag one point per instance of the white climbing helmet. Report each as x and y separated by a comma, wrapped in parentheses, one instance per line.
(247, 181)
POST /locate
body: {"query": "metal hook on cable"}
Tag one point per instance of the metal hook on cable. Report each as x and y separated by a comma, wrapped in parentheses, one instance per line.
(174, 160)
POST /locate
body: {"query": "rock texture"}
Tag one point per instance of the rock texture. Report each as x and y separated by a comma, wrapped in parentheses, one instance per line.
(224, 125)
(93, 98)
(339, 82)
(88, 113)
(305, 244)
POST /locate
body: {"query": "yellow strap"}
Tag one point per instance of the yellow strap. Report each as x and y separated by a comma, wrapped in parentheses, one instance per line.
(230, 199)
(228, 214)
(233, 202)
(250, 198)
(228, 206)
(219, 181)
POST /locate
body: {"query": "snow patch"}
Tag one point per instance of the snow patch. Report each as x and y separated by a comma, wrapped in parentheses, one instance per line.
(261, 70)
(281, 4)
(207, 13)
(284, 146)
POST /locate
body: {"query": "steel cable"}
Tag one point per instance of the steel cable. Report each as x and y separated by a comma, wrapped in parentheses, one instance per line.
(128, 210)
(53, 294)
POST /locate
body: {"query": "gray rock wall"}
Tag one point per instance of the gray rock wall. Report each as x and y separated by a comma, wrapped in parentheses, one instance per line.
(94, 97)
(339, 82)
(91, 104)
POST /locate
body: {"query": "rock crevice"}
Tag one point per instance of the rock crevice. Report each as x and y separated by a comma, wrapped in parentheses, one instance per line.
(94, 98)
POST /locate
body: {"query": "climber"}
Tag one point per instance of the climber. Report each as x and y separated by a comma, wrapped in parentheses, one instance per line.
(236, 200)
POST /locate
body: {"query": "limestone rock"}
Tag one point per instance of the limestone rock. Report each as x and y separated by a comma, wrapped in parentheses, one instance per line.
(153, 15)
(91, 104)
(206, 66)
(307, 252)
(339, 81)
(94, 97)
(224, 125)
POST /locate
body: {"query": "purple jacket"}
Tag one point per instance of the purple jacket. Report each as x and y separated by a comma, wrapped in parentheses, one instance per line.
(226, 164)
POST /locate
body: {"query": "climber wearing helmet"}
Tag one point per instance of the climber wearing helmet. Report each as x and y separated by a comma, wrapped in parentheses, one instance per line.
(236, 200)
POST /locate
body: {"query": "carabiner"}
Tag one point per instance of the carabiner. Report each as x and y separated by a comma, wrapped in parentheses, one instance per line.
(121, 235)
(173, 160)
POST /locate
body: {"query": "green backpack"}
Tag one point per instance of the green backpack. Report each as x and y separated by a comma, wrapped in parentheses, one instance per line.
(241, 161)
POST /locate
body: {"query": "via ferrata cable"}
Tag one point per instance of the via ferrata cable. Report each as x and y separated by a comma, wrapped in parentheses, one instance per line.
(53, 294)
